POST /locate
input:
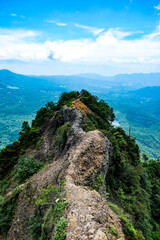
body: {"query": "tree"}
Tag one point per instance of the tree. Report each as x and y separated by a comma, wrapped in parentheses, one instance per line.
(25, 127)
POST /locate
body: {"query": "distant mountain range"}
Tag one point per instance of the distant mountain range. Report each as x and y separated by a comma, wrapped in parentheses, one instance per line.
(115, 83)
(135, 99)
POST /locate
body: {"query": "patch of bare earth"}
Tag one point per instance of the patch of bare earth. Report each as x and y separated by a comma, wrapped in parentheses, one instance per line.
(81, 107)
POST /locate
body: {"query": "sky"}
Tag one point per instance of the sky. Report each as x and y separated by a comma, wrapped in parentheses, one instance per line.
(58, 37)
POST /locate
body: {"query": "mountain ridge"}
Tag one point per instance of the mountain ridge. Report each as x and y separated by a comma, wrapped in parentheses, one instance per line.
(58, 179)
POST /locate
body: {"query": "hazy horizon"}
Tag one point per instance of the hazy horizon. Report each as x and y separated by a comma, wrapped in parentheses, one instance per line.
(78, 74)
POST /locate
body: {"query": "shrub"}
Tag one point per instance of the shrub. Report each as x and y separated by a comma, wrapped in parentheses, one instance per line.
(8, 158)
(43, 114)
(35, 223)
(128, 229)
(60, 229)
(92, 122)
(26, 167)
(7, 210)
(100, 108)
(50, 200)
(4, 184)
(29, 137)
(67, 99)
(1, 200)
(98, 183)
(114, 231)
(47, 195)
(115, 208)
(62, 135)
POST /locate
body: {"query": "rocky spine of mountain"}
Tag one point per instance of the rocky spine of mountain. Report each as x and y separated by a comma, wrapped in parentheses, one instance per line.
(55, 183)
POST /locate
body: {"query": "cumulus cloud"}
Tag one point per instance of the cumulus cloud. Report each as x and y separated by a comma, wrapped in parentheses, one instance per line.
(19, 44)
(93, 30)
(111, 46)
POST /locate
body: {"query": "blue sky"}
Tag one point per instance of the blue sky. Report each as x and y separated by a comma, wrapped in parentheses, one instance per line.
(70, 37)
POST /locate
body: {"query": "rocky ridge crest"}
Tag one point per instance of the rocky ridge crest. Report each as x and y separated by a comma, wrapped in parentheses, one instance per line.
(84, 157)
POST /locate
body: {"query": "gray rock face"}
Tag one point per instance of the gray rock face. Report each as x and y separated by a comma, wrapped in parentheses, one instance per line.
(83, 158)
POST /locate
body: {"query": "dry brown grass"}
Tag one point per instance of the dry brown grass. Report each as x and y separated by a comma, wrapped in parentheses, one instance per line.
(81, 107)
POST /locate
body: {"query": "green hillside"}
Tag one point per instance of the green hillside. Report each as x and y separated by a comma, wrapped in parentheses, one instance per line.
(140, 110)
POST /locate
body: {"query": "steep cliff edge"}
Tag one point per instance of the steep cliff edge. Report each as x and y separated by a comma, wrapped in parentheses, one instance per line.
(84, 157)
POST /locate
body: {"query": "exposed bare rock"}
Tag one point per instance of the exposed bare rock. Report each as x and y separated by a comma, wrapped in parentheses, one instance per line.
(84, 157)
(89, 216)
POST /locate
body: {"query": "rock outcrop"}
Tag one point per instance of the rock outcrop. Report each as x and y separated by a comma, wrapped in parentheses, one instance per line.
(84, 157)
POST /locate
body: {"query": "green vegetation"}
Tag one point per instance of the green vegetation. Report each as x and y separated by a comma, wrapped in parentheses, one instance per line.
(126, 220)
(28, 135)
(42, 222)
(66, 99)
(102, 115)
(8, 158)
(113, 230)
(62, 134)
(132, 181)
(26, 167)
(151, 183)
(4, 184)
(98, 183)
(7, 209)
(43, 114)
(128, 181)
(138, 109)
(35, 223)
(142, 116)
(18, 106)
(60, 232)
(100, 108)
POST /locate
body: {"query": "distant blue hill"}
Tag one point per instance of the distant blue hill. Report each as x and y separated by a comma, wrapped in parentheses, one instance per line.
(136, 80)
(147, 94)
(115, 83)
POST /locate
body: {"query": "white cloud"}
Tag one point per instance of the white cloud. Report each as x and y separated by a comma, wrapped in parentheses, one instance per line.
(157, 7)
(110, 47)
(57, 23)
(93, 30)
(61, 24)
(19, 44)
(13, 15)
